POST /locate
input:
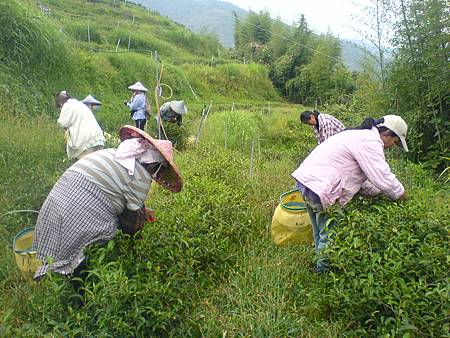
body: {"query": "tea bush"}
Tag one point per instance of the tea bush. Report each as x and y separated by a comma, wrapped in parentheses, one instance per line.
(391, 262)
(147, 285)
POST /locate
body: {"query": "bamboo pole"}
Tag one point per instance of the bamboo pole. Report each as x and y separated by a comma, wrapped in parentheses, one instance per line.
(200, 125)
(89, 35)
(252, 150)
(157, 93)
(202, 121)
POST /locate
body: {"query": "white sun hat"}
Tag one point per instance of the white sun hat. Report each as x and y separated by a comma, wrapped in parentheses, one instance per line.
(398, 126)
(138, 87)
(91, 100)
(178, 107)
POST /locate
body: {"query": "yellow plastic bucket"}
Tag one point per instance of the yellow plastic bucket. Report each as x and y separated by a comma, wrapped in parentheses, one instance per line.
(25, 257)
(290, 221)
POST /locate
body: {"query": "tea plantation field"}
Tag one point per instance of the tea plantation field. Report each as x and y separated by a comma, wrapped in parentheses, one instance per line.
(207, 267)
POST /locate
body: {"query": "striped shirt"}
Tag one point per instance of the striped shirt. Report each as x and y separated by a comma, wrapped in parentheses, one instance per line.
(327, 126)
(112, 178)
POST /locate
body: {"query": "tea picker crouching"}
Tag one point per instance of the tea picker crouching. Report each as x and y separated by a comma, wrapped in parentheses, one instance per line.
(83, 134)
(100, 193)
(323, 125)
(173, 112)
(348, 162)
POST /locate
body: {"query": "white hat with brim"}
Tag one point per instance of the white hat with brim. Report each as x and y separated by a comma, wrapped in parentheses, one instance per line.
(178, 107)
(91, 100)
(169, 176)
(139, 87)
(396, 124)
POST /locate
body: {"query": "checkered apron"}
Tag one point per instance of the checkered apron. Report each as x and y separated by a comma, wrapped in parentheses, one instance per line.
(75, 214)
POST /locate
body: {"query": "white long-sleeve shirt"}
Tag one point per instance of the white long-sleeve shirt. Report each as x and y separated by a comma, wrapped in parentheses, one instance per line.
(83, 129)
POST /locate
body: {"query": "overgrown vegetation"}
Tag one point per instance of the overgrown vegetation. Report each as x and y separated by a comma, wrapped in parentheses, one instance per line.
(207, 267)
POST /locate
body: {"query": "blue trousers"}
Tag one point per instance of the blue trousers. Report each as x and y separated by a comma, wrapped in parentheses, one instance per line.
(321, 227)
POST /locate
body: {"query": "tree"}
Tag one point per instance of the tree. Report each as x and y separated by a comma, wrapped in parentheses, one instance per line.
(324, 79)
(277, 42)
(298, 53)
(420, 77)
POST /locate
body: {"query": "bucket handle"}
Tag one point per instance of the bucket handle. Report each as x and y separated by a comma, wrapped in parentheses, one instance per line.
(18, 211)
(299, 206)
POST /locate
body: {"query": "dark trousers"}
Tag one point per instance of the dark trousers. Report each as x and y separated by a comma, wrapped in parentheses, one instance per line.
(140, 123)
(78, 278)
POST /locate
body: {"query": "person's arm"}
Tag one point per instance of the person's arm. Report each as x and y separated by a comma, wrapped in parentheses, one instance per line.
(368, 189)
(179, 119)
(135, 193)
(132, 221)
(370, 157)
(137, 103)
(66, 117)
(316, 134)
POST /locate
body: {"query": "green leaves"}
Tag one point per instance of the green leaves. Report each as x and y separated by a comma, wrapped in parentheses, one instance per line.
(392, 263)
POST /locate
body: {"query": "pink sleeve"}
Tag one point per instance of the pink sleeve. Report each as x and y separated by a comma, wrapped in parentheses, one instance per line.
(368, 189)
(370, 158)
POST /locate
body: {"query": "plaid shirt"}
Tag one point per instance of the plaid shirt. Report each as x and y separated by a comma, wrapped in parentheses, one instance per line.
(327, 126)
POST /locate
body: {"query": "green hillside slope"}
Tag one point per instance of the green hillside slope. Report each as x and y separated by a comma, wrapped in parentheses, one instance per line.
(45, 47)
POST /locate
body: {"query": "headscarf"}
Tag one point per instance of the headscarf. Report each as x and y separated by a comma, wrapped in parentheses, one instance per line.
(134, 149)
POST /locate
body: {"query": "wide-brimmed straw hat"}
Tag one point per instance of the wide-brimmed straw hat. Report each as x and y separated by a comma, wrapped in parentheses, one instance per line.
(91, 100)
(398, 126)
(178, 107)
(168, 176)
(138, 87)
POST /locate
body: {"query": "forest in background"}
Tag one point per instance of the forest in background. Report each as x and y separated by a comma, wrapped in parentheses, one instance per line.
(406, 73)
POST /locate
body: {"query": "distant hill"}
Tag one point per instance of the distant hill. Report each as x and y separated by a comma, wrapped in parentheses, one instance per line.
(216, 17)
(352, 54)
(211, 16)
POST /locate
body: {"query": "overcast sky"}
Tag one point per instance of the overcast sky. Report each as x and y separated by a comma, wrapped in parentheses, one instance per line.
(320, 15)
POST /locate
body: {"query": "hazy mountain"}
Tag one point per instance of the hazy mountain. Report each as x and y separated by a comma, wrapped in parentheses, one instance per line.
(352, 54)
(212, 16)
(216, 17)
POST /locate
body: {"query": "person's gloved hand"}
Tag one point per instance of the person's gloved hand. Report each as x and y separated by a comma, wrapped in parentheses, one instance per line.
(132, 221)
(150, 215)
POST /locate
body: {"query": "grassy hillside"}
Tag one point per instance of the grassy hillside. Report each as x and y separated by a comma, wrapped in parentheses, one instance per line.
(45, 48)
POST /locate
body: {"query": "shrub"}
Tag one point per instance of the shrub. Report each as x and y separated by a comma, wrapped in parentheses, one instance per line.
(392, 263)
